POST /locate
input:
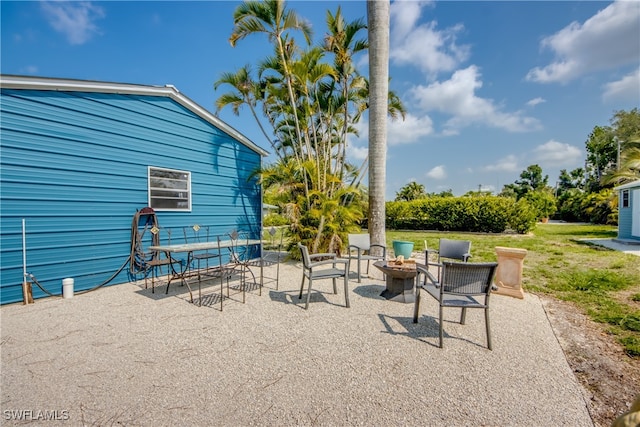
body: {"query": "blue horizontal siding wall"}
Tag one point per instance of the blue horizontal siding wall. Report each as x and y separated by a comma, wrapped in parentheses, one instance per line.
(74, 166)
(624, 219)
(625, 215)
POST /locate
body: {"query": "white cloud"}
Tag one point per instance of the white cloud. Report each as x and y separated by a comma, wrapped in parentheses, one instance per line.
(627, 88)
(425, 46)
(551, 153)
(408, 131)
(505, 164)
(437, 172)
(457, 97)
(535, 101)
(75, 20)
(450, 132)
(609, 39)
(357, 153)
(489, 188)
(399, 132)
(554, 153)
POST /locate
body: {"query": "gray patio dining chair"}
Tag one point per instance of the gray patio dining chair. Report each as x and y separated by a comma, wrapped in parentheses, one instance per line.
(240, 261)
(323, 266)
(271, 256)
(449, 249)
(360, 243)
(155, 260)
(200, 234)
(462, 285)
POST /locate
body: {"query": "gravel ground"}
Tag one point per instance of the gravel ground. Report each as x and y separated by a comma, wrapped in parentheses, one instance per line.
(124, 356)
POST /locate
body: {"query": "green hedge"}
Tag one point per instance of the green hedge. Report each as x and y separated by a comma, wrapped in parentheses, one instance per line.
(489, 214)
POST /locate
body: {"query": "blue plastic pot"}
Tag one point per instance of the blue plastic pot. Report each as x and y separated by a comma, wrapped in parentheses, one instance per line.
(400, 247)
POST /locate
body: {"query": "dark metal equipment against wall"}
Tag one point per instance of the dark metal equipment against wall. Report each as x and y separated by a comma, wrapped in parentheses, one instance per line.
(139, 261)
(144, 221)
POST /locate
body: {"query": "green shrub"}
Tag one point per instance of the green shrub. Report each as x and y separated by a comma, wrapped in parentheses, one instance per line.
(274, 220)
(596, 208)
(493, 216)
(523, 217)
(543, 202)
(489, 214)
(398, 215)
(569, 206)
(601, 207)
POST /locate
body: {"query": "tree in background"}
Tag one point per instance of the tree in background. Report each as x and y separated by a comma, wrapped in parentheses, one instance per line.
(531, 179)
(569, 180)
(378, 22)
(629, 168)
(543, 202)
(310, 98)
(613, 158)
(443, 193)
(602, 151)
(411, 191)
(612, 151)
(533, 187)
(626, 127)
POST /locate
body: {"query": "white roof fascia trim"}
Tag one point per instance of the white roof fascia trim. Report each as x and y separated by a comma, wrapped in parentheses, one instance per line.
(35, 83)
(205, 114)
(628, 185)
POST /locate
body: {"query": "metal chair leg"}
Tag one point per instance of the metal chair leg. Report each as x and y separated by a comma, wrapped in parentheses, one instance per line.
(301, 287)
(308, 294)
(346, 289)
(441, 331)
(416, 306)
(486, 319)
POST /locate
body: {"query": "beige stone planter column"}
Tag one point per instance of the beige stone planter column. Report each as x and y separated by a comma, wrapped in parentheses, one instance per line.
(509, 271)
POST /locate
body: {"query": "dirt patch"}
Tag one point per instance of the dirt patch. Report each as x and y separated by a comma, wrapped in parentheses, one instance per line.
(610, 379)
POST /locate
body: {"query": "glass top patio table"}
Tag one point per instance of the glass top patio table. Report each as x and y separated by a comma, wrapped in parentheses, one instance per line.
(190, 248)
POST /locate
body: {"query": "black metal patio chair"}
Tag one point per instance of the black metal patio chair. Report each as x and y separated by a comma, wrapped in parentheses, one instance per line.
(462, 285)
(449, 249)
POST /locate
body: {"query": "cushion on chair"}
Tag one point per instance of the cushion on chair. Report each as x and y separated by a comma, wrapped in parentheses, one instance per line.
(327, 273)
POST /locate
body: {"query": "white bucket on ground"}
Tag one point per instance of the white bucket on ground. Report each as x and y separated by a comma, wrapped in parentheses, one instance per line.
(67, 288)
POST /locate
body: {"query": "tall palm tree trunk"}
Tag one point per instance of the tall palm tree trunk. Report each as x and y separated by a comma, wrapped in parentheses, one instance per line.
(378, 24)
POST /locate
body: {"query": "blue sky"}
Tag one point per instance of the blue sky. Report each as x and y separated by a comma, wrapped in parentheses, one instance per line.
(490, 87)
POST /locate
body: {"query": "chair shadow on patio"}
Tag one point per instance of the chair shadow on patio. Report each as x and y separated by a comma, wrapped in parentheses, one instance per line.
(369, 291)
(317, 296)
(176, 290)
(426, 331)
(289, 290)
(211, 292)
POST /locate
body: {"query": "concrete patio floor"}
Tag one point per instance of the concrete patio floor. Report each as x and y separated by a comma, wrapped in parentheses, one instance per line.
(124, 356)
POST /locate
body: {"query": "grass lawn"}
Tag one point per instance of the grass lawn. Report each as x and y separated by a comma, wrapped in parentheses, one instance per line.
(604, 283)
